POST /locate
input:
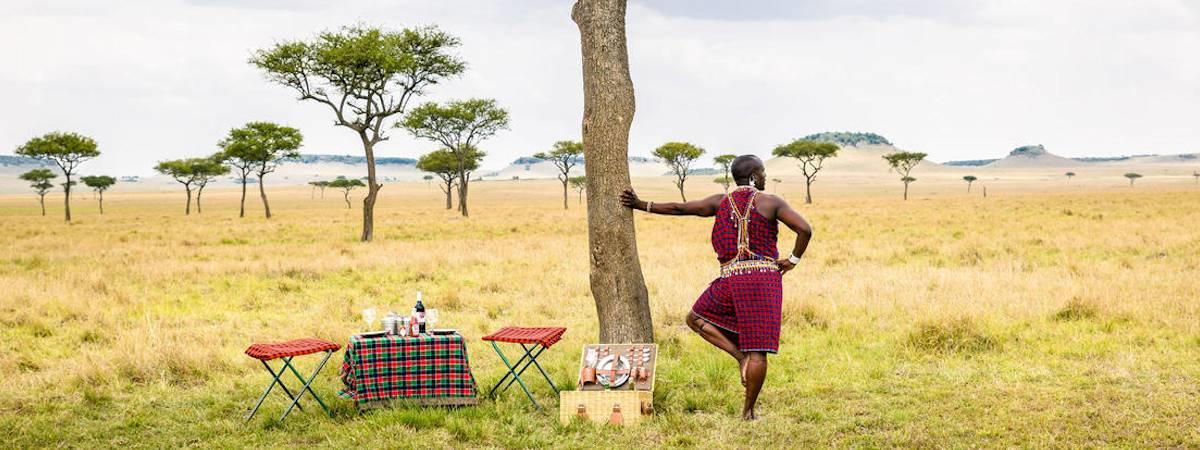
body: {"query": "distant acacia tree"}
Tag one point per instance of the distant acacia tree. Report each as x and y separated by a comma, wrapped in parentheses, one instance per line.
(322, 184)
(1070, 175)
(1132, 177)
(346, 185)
(565, 155)
(579, 183)
(67, 150)
(39, 180)
(776, 181)
(811, 155)
(459, 126)
(259, 148)
(724, 161)
(970, 179)
(99, 184)
(428, 180)
(444, 164)
(313, 193)
(679, 157)
(182, 170)
(903, 163)
(206, 170)
(365, 76)
(1196, 175)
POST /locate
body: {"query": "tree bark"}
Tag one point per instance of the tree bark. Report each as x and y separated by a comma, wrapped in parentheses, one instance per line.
(681, 194)
(242, 211)
(368, 231)
(42, 200)
(565, 193)
(188, 210)
(102, 203)
(262, 192)
(449, 196)
(622, 303)
(906, 190)
(67, 196)
(347, 197)
(199, 192)
(808, 190)
(462, 193)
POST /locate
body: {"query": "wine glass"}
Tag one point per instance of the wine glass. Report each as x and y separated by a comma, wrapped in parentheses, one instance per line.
(431, 317)
(368, 316)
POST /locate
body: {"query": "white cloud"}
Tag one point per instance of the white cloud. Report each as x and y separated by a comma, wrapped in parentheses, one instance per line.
(160, 79)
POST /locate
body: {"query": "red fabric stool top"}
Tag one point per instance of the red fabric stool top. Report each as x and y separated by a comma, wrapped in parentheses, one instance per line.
(295, 347)
(546, 336)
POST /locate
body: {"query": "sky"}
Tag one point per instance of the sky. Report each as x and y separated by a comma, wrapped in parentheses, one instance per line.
(965, 79)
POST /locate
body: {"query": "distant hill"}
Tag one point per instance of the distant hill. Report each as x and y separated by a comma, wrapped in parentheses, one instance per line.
(848, 138)
(348, 159)
(1032, 157)
(970, 162)
(21, 161)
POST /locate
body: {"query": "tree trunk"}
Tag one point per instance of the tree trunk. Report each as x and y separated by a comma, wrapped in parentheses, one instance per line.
(622, 304)
(581, 197)
(449, 196)
(347, 197)
(565, 197)
(102, 203)
(199, 192)
(42, 200)
(808, 190)
(242, 210)
(462, 193)
(262, 192)
(67, 197)
(322, 193)
(681, 194)
(313, 193)
(968, 187)
(188, 210)
(906, 190)
(368, 231)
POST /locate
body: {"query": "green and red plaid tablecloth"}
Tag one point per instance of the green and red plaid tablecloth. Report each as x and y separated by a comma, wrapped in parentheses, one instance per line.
(430, 370)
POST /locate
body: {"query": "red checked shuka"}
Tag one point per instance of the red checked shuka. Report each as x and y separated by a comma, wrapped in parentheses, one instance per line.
(748, 296)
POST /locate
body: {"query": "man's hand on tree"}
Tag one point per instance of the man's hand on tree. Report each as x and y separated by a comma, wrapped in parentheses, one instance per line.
(630, 200)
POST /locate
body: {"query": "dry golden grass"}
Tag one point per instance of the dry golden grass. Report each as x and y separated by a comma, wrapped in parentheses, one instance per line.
(1059, 319)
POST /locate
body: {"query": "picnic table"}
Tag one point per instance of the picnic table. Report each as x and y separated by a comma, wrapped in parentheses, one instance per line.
(427, 370)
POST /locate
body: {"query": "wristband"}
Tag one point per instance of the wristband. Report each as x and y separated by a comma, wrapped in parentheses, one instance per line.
(793, 259)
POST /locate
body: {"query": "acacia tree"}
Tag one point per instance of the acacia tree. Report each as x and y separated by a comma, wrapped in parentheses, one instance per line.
(679, 156)
(182, 170)
(579, 183)
(724, 162)
(99, 184)
(776, 181)
(428, 180)
(903, 163)
(65, 149)
(258, 148)
(346, 185)
(1132, 176)
(365, 76)
(321, 185)
(459, 126)
(564, 156)
(811, 156)
(970, 179)
(444, 164)
(39, 180)
(617, 285)
(1196, 175)
(313, 193)
(1070, 175)
(206, 170)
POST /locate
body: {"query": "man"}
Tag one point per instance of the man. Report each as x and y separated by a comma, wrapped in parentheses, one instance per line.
(740, 311)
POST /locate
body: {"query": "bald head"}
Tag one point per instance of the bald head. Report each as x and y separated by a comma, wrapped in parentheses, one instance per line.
(744, 167)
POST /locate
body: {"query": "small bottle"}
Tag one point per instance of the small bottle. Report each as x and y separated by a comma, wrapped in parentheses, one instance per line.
(616, 418)
(419, 315)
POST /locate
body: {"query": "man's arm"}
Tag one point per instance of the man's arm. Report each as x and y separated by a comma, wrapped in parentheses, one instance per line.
(706, 207)
(784, 213)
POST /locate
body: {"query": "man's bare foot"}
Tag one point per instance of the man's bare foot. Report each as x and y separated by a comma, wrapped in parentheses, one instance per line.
(749, 415)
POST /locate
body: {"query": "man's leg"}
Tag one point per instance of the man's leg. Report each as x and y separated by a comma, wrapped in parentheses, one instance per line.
(756, 374)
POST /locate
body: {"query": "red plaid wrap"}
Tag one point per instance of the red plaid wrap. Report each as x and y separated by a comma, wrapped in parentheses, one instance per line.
(748, 304)
(392, 367)
(295, 347)
(546, 336)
